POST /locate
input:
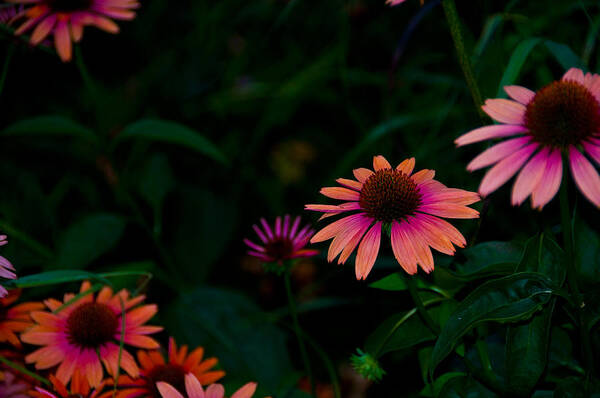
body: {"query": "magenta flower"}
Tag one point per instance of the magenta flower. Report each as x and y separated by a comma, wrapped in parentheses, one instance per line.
(282, 242)
(194, 389)
(6, 268)
(562, 118)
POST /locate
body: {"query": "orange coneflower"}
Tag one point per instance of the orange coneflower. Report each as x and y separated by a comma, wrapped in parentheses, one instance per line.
(407, 204)
(194, 389)
(155, 368)
(79, 388)
(15, 319)
(87, 333)
(65, 19)
(560, 119)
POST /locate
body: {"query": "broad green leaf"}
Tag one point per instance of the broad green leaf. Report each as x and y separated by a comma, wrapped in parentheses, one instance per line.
(516, 62)
(49, 125)
(155, 183)
(488, 259)
(56, 277)
(165, 131)
(543, 255)
(587, 253)
(89, 238)
(395, 282)
(527, 351)
(512, 298)
(433, 390)
(464, 386)
(564, 55)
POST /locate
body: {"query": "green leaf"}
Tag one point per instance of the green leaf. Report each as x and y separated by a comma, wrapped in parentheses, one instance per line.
(56, 277)
(433, 390)
(50, 125)
(172, 133)
(564, 55)
(513, 298)
(527, 352)
(587, 253)
(489, 259)
(543, 255)
(464, 386)
(89, 238)
(156, 181)
(516, 62)
(395, 282)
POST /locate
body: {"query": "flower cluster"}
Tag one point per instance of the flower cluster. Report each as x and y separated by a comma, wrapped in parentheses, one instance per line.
(81, 342)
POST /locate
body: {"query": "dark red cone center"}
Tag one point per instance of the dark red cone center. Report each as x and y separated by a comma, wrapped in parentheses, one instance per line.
(92, 324)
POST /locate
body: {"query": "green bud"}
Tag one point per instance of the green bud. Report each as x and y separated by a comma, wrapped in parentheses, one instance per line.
(366, 365)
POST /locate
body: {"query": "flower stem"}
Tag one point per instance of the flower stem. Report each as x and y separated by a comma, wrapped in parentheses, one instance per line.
(567, 231)
(461, 52)
(412, 289)
(7, 59)
(21, 369)
(298, 331)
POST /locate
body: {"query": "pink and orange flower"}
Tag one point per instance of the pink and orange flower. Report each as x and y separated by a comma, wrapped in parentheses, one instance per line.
(194, 390)
(560, 120)
(79, 387)
(407, 204)
(15, 319)
(65, 19)
(155, 369)
(84, 334)
(282, 242)
(7, 270)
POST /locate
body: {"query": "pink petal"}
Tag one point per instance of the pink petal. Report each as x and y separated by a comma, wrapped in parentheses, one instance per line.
(497, 152)
(505, 169)
(254, 245)
(593, 151)
(215, 391)
(340, 193)
(362, 174)
(286, 225)
(585, 175)
(295, 227)
(420, 247)
(350, 183)
(367, 251)
(246, 391)
(505, 111)
(43, 29)
(267, 228)
(262, 236)
(352, 243)
(489, 132)
(529, 177)
(520, 94)
(422, 175)
(193, 387)
(402, 248)
(344, 237)
(407, 166)
(380, 163)
(62, 41)
(549, 183)
(168, 391)
(335, 228)
(574, 74)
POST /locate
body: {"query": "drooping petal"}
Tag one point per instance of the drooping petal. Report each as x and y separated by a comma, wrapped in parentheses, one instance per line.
(505, 111)
(335, 228)
(550, 182)
(529, 177)
(505, 169)
(497, 152)
(402, 249)
(520, 94)
(489, 132)
(585, 175)
(367, 251)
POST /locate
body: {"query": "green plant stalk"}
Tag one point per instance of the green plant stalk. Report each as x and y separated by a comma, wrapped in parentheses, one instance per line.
(567, 231)
(298, 331)
(21, 369)
(7, 59)
(414, 294)
(30, 242)
(463, 58)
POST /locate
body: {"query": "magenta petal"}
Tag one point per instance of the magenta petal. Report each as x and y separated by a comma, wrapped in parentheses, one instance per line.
(529, 177)
(497, 152)
(550, 182)
(505, 169)
(585, 175)
(489, 132)
(520, 94)
(505, 111)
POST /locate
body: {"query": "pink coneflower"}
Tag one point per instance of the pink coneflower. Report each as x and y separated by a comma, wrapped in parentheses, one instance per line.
(15, 318)
(406, 204)
(282, 242)
(194, 390)
(87, 333)
(79, 388)
(562, 118)
(65, 19)
(6, 268)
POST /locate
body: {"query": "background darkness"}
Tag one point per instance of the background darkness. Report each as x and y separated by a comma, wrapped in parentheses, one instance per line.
(294, 94)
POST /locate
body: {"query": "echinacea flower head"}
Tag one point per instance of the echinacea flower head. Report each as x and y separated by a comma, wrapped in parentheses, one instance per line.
(154, 368)
(79, 387)
(86, 334)
(15, 318)
(408, 205)
(560, 120)
(65, 19)
(285, 241)
(11, 386)
(194, 389)
(7, 270)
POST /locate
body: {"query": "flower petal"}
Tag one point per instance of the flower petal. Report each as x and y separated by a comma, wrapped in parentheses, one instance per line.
(505, 169)
(497, 152)
(529, 177)
(367, 251)
(574, 74)
(380, 163)
(585, 175)
(549, 183)
(489, 132)
(505, 111)
(340, 193)
(520, 94)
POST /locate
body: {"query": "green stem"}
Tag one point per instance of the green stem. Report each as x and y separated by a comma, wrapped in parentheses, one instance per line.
(30, 242)
(21, 369)
(567, 231)
(414, 293)
(461, 52)
(9, 54)
(298, 331)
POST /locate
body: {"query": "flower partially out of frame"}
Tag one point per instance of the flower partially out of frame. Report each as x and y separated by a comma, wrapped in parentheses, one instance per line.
(285, 241)
(79, 387)
(194, 390)
(154, 368)
(15, 318)
(12, 387)
(84, 334)
(66, 19)
(6, 268)
(407, 204)
(560, 120)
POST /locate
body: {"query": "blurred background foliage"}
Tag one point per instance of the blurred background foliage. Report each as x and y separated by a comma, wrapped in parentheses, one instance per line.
(202, 116)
